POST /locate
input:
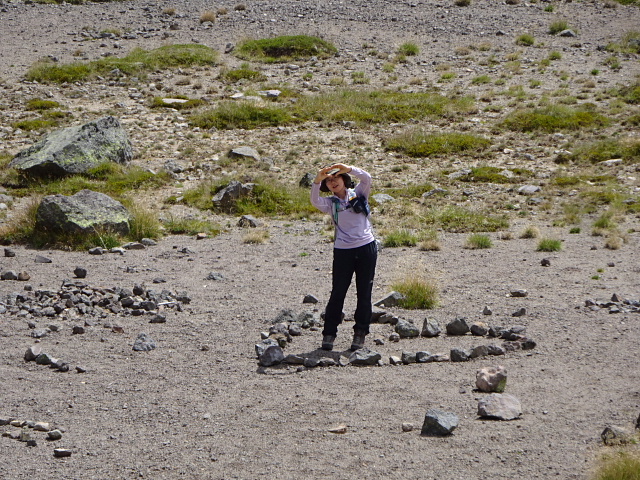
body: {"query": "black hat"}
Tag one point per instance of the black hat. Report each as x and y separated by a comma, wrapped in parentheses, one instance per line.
(348, 183)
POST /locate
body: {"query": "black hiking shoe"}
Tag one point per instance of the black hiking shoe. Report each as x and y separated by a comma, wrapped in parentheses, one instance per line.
(358, 340)
(327, 342)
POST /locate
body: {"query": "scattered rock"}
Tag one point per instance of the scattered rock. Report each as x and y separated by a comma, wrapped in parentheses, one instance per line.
(61, 452)
(438, 423)
(491, 379)
(519, 293)
(499, 406)
(459, 355)
(479, 329)
(308, 298)
(144, 343)
(54, 435)
(272, 355)
(391, 300)
(613, 435)
(364, 356)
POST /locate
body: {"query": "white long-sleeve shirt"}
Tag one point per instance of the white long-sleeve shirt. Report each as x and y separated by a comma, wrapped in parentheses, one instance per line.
(353, 230)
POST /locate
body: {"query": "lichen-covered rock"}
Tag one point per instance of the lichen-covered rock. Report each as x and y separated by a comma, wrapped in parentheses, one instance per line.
(84, 212)
(76, 149)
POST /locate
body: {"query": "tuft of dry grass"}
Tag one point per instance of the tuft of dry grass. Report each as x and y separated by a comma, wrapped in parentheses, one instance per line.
(256, 237)
(530, 232)
(208, 16)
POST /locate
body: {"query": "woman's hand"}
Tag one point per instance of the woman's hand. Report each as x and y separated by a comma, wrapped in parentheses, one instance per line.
(324, 172)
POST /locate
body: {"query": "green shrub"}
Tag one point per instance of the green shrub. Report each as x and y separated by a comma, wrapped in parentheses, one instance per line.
(285, 48)
(400, 238)
(478, 240)
(229, 115)
(138, 62)
(417, 143)
(144, 223)
(530, 232)
(419, 292)
(605, 221)
(575, 230)
(554, 118)
(409, 49)
(487, 174)
(549, 245)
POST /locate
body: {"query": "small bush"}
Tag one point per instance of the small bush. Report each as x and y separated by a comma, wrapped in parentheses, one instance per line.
(525, 39)
(478, 240)
(558, 26)
(605, 221)
(429, 241)
(420, 292)
(144, 223)
(285, 48)
(408, 49)
(555, 55)
(480, 80)
(549, 245)
(613, 242)
(400, 238)
(462, 3)
(191, 103)
(575, 230)
(417, 143)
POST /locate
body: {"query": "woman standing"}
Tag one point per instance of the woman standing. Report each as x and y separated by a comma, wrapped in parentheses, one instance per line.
(354, 251)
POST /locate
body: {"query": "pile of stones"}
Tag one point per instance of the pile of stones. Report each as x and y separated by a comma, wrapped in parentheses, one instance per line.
(76, 298)
(617, 304)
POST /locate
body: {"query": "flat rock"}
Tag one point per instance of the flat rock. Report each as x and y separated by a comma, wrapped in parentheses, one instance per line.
(499, 406)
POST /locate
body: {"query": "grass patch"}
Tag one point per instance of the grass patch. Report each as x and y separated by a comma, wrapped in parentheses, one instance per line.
(189, 104)
(380, 106)
(229, 115)
(481, 80)
(190, 226)
(456, 219)
(429, 241)
(411, 190)
(554, 118)
(35, 124)
(629, 43)
(558, 26)
(408, 49)
(138, 62)
(526, 40)
(478, 241)
(269, 197)
(549, 245)
(256, 237)
(285, 48)
(530, 232)
(417, 143)
(400, 238)
(628, 149)
(40, 104)
(419, 291)
(242, 73)
(618, 465)
(485, 174)
(109, 178)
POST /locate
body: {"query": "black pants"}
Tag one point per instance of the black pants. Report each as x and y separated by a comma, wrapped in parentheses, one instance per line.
(346, 261)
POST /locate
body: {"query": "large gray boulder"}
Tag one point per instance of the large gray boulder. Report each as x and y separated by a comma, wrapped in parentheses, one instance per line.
(76, 149)
(226, 198)
(85, 212)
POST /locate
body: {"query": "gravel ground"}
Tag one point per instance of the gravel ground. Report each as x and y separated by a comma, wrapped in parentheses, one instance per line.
(199, 406)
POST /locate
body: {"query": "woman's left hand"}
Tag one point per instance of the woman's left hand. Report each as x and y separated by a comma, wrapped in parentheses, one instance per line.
(343, 168)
